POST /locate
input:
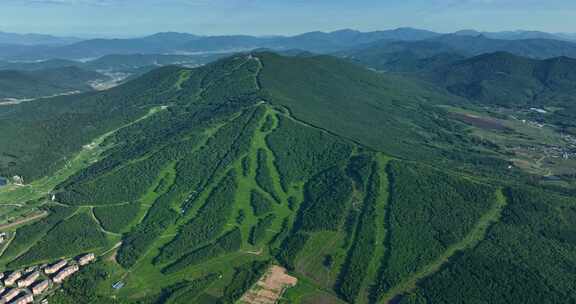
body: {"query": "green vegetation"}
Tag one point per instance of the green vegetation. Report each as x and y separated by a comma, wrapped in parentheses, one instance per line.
(260, 204)
(81, 288)
(246, 165)
(322, 151)
(360, 170)
(45, 82)
(357, 263)
(268, 124)
(327, 198)
(244, 277)
(116, 218)
(76, 235)
(105, 190)
(139, 240)
(259, 231)
(263, 177)
(520, 255)
(284, 160)
(230, 242)
(290, 248)
(441, 209)
(28, 235)
(207, 224)
(185, 292)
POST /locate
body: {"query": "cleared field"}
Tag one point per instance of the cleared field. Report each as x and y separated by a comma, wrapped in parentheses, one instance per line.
(270, 287)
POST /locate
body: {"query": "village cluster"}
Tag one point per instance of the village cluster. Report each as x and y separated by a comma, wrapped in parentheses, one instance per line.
(26, 286)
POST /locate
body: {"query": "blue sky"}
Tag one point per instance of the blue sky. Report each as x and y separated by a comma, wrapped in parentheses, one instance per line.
(124, 18)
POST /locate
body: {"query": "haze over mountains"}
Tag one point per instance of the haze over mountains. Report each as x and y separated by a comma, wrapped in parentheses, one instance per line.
(28, 47)
(35, 39)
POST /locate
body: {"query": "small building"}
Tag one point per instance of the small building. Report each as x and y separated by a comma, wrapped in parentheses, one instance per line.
(55, 268)
(118, 285)
(3, 182)
(40, 287)
(12, 278)
(10, 295)
(29, 280)
(540, 111)
(25, 299)
(86, 259)
(65, 273)
(18, 180)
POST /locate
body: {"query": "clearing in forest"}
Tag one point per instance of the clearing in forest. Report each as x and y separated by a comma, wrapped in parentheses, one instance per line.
(270, 287)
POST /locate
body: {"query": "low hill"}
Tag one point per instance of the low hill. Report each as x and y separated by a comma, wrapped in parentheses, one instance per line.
(45, 82)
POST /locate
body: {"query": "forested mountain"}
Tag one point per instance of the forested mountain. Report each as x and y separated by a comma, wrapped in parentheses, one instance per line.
(506, 79)
(423, 55)
(388, 101)
(187, 183)
(404, 56)
(534, 48)
(46, 82)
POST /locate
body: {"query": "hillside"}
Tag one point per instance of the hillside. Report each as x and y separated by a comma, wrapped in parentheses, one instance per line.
(45, 82)
(188, 184)
(315, 89)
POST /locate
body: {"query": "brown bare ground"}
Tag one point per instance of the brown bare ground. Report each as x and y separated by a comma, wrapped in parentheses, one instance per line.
(270, 287)
(481, 122)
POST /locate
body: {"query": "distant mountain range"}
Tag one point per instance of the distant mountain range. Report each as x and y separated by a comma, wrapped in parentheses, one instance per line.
(518, 35)
(35, 39)
(527, 43)
(180, 43)
(369, 187)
